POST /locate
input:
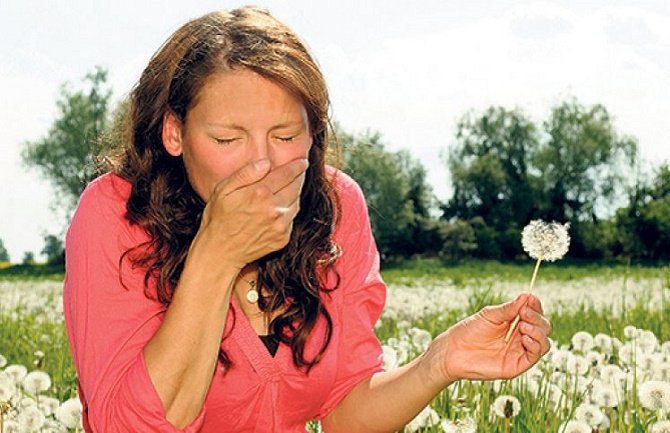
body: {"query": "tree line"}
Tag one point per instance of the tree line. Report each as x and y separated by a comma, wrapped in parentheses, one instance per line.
(505, 169)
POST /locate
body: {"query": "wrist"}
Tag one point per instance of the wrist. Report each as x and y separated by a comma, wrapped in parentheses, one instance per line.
(434, 364)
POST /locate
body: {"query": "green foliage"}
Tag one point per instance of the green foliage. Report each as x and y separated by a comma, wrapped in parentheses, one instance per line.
(644, 225)
(33, 272)
(66, 155)
(506, 171)
(398, 198)
(468, 273)
(21, 335)
(4, 255)
(54, 250)
(458, 239)
(28, 258)
(583, 163)
(489, 166)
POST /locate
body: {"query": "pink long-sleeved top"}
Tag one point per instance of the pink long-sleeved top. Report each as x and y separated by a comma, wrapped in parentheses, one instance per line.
(108, 327)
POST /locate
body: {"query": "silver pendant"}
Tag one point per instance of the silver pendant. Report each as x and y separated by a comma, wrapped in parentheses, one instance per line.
(252, 296)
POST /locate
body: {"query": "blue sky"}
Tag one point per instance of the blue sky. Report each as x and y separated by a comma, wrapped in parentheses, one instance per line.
(407, 69)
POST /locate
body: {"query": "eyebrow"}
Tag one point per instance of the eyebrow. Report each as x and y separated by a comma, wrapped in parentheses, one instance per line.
(241, 128)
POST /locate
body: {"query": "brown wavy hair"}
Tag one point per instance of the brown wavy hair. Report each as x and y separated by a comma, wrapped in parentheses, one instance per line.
(162, 200)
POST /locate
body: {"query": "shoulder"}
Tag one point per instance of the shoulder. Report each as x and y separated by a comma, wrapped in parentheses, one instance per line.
(101, 209)
(107, 193)
(354, 223)
(349, 193)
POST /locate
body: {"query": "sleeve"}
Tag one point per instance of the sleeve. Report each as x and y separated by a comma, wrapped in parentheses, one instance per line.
(109, 325)
(360, 353)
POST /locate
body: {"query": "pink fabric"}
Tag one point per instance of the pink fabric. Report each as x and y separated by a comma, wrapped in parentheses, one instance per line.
(108, 327)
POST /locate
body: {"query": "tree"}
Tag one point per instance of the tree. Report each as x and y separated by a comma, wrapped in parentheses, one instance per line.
(584, 164)
(66, 155)
(644, 225)
(459, 240)
(394, 186)
(28, 258)
(53, 250)
(380, 177)
(4, 255)
(489, 165)
(507, 171)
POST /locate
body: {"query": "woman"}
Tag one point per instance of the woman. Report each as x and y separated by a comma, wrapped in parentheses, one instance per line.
(222, 278)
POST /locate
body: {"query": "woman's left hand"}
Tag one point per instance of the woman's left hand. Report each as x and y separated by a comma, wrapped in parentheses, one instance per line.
(475, 348)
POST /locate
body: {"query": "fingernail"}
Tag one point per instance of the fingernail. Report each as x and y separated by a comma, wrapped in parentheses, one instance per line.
(262, 165)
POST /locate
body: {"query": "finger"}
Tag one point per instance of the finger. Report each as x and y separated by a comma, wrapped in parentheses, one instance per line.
(504, 312)
(535, 303)
(291, 192)
(537, 334)
(533, 348)
(284, 175)
(533, 317)
(245, 176)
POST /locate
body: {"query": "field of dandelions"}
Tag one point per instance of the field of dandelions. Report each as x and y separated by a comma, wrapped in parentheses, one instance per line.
(608, 369)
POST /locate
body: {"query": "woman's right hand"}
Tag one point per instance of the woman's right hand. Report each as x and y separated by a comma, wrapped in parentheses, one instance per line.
(249, 214)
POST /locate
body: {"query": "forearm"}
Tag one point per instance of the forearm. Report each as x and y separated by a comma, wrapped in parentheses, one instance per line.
(388, 400)
(181, 357)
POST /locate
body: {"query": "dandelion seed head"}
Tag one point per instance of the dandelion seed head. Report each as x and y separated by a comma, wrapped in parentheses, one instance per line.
(390, 358)
(646, 341)
(17, 371)
(69, 413)
(421, 339)
(36, 382)
(506, 406)
(548, 241)
(577, 365)
(582, 341)
(574, 426)
(630, 332)
(48, 405)
(655, 395)
(661, 427)
(3, 361)
(427, 417)
(665, 348)
(661, 371)
(12, 426)
(589, 413)
(466, 425)
(627, 353)
(595, 359)
(30, 419)
(605, 396)
(603, 342)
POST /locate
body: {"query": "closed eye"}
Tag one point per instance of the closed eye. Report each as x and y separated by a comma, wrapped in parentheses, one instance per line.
(287, 139)
(225, 140)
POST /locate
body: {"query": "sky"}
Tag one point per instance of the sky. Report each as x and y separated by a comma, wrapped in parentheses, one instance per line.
(409, 70)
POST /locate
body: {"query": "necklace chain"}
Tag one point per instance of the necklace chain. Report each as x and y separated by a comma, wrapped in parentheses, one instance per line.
(252, 292)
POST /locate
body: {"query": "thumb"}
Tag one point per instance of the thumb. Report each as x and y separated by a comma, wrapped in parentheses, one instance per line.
(247, 175)
(509, 310)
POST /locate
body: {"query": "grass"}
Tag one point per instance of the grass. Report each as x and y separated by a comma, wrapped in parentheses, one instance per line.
(32, 272)
(420, 271)
(21, 335)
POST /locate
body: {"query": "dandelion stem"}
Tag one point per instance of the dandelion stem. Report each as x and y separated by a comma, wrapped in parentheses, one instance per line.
(530, 290)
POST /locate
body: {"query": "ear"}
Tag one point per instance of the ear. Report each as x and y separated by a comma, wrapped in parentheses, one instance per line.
(172, 134)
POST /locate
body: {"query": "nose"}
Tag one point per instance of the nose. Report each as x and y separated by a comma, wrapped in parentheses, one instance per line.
(259, 148)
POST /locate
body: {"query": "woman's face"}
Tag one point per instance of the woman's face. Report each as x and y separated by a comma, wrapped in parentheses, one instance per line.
(239, 117)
